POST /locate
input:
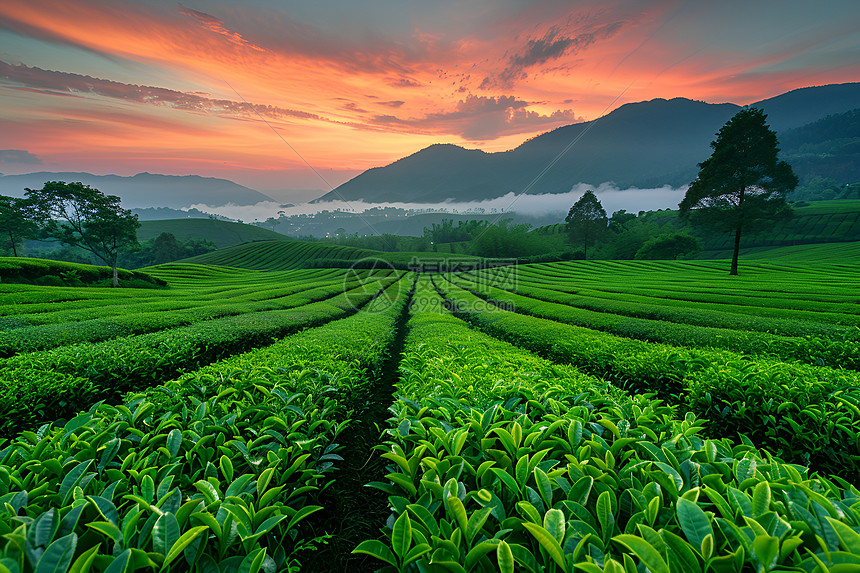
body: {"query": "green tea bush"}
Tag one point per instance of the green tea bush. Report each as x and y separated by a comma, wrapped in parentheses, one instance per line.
(553, 476)
(122, 364)
(805, 414)
(842, 351)
(47, 336)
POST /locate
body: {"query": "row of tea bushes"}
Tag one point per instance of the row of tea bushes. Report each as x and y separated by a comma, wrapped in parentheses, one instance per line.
(555, 477)
(45, 386)
(843, 351)
(43, 337)
(822, 293)
(805, 414)
(217, 471)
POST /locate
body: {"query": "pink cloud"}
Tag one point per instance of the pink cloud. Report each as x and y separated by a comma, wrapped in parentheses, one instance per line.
(481, 118)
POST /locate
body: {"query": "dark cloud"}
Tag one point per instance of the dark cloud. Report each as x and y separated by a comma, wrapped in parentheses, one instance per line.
(352, 106)
(554, 44)
(216, 25)
(405, 83)
(19, 156)
(395, 103)
(480, 118)
(63, 83)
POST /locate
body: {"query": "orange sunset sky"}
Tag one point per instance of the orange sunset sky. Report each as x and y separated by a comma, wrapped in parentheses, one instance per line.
(183, 88)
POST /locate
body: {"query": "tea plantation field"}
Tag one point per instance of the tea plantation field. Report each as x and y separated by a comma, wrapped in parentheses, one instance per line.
(579, 416)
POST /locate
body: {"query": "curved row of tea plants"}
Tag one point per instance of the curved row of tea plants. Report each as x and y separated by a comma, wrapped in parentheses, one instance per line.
(825, 288)
(218, 470)
(318, 359)
(835, 352)
(278, 255)
(44, 386)
(45, 336)
(32, 305)
(805, 414)
(598, 291)
(553, 476)
(776, 321)
(77, 304)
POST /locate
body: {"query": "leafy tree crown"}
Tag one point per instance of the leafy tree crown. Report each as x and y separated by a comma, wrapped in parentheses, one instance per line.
(587, 210)
(743, 180)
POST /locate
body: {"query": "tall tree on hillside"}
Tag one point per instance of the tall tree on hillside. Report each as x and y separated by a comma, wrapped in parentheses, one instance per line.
(586, 220)
(166, 248)
(79, 215)
(743, 185)
(16, 222)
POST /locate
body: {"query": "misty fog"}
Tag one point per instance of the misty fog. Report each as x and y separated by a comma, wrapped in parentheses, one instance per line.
(612, 198)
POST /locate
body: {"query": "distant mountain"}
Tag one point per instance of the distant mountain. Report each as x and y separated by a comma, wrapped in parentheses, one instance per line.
(646, 144)
(829, 147)
(145, 189)
(805, 105)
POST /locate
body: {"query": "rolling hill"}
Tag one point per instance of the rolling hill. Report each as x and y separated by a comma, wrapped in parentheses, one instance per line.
(145, 189)
(646, 144)
(819, 222)
(223, 233)
(288, 255)
(806, 253)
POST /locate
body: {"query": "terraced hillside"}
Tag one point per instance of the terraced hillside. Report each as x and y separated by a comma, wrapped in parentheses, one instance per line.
(581, 416)
(223, 233)
(819, 222)
(280, 256)
(813, 252)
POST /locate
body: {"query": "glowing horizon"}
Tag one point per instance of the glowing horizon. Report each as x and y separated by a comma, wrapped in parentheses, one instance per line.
(125, 87)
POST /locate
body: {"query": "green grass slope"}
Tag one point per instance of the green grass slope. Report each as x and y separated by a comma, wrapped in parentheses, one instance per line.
(278, 255)
(287, 255)
(820, 222)
(19, 270)
(847, 251)
(223, 233)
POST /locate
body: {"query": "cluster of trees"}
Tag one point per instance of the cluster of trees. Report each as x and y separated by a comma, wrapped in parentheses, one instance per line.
(385, 242)
(72, 214)
(824, 189)
(623, 235)
(501, 239)
(740, 188)
(446, 232)
(162, 249)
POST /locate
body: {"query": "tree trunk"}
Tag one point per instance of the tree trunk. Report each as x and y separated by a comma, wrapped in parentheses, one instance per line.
(116, 276)
(734, 270)
(12, 240)
(585, 247)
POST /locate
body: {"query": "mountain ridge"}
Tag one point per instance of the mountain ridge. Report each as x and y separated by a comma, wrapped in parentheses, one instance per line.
(145, 189)
(640, 144)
